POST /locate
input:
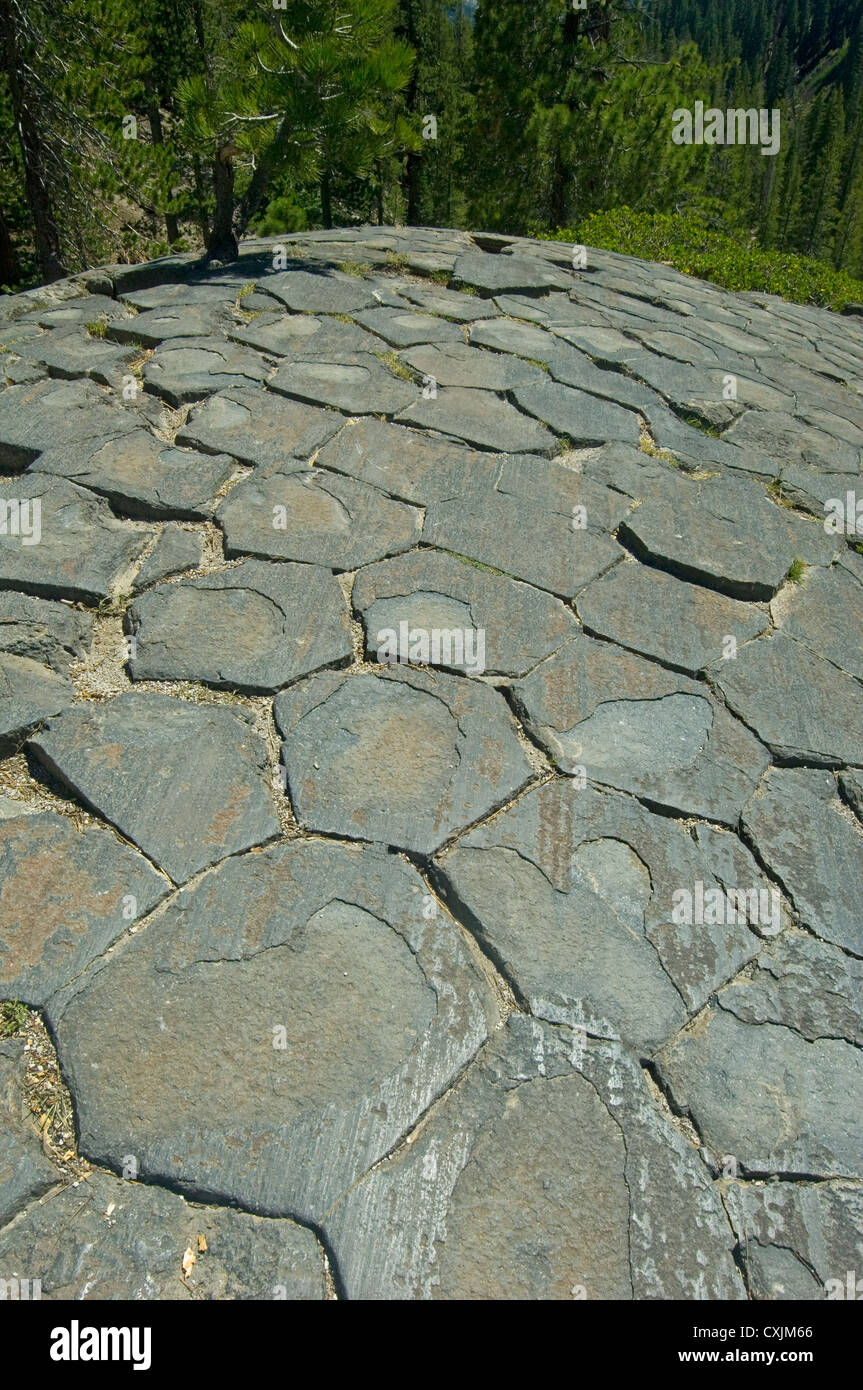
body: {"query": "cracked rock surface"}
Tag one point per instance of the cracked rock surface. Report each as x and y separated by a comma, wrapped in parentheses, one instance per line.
(431, 778)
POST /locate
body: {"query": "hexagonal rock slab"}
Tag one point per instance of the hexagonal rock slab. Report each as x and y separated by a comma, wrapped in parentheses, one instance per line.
(176, 550)
(415, 467)
(338, 1006)
(258, 428)
(303, 335)
(682, 625)
(186, 783)
(51, 414)
(765, 1096)
(499, 274)
(29, 693)
(407, 758)
(316, 517)
(320, 291)
(189, 368)
(548, 1174)
(480, 418)
(363, 386)
(157, 326)
(826, 614)
(52, 633)
(522, 538)
(796, 1240)
(432, 590)
(83, 552)
(640, 728)
(799, 980)
(457, 364)
(254, 628)
(572, 892)
(586, 420)
(142, 476)
(126, 1241)
(406, 329)
(800, 705)
(810, 841)
(727, 534)
(25, 1172)
(65, 896)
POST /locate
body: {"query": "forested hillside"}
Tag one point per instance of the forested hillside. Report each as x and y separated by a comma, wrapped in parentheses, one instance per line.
(129, 128)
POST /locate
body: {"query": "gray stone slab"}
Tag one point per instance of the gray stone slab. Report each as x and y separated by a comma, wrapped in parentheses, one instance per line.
(254, 627)
(142, 476)
(363, 386)
(258, 427)
(800, 705)
(805, 984)
(825, 612)
(764, 1096)
(339, 1008)
(317, 517)
(66, 895)
(188, 369)
(71, 353)
(126, 1241)
(184, 782)
(573, 892)
(789, 441)
(584, 419)
(82, 553)
(495, 274)
(480, 418)
(29, 694)
(25, 1172)
(458, 364)
(682, 625)
(50, 414)
(176, 550)
(351, 745)
(407, 464)
(520, 538)
(303, 335)
(447, 304)
(798, 1240)
(725, 533)
(403, 329)
(54, 634)
(156, 326)
(430, 591)
(811, 843)
(619, 721)
(320, 291)
(548, 1175)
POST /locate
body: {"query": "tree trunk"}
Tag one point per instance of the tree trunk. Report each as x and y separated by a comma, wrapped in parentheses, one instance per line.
(326, 201)
(46, 234)
(172, 226)
(8, 258)
(222, 244)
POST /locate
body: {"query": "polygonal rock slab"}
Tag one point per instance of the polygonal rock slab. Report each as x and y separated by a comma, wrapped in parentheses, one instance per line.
(316, 517)
(176, 550)
(458, 364)
(480, 418)
(303, 335)
(550, 1174)
(51, 633)
(498, 274)
(65, 896)
(805, 983)
(809, 840)
(127, 1241)
(82, 553)
(73, 353)
(406, 329)
(682, 625)
(572, 892)
(521, 538)
(186, 783)
(725, 533)
(363, 386)
(407, 757)
(156, 326)
(258, 428)
(142, 475)
(430, 590)
(255, 627)
(764, 1096)
(407, 464)
(825, 612)
(29, 693)
(800, 705)
(633, 725)
(586, 420)
(320, 291)
(339, 1007)
(448, 304)
(798, 1240)
(25, 1172)
(189, 368)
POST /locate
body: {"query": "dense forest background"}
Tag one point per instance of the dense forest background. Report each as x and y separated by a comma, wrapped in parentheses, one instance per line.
(128, 127)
